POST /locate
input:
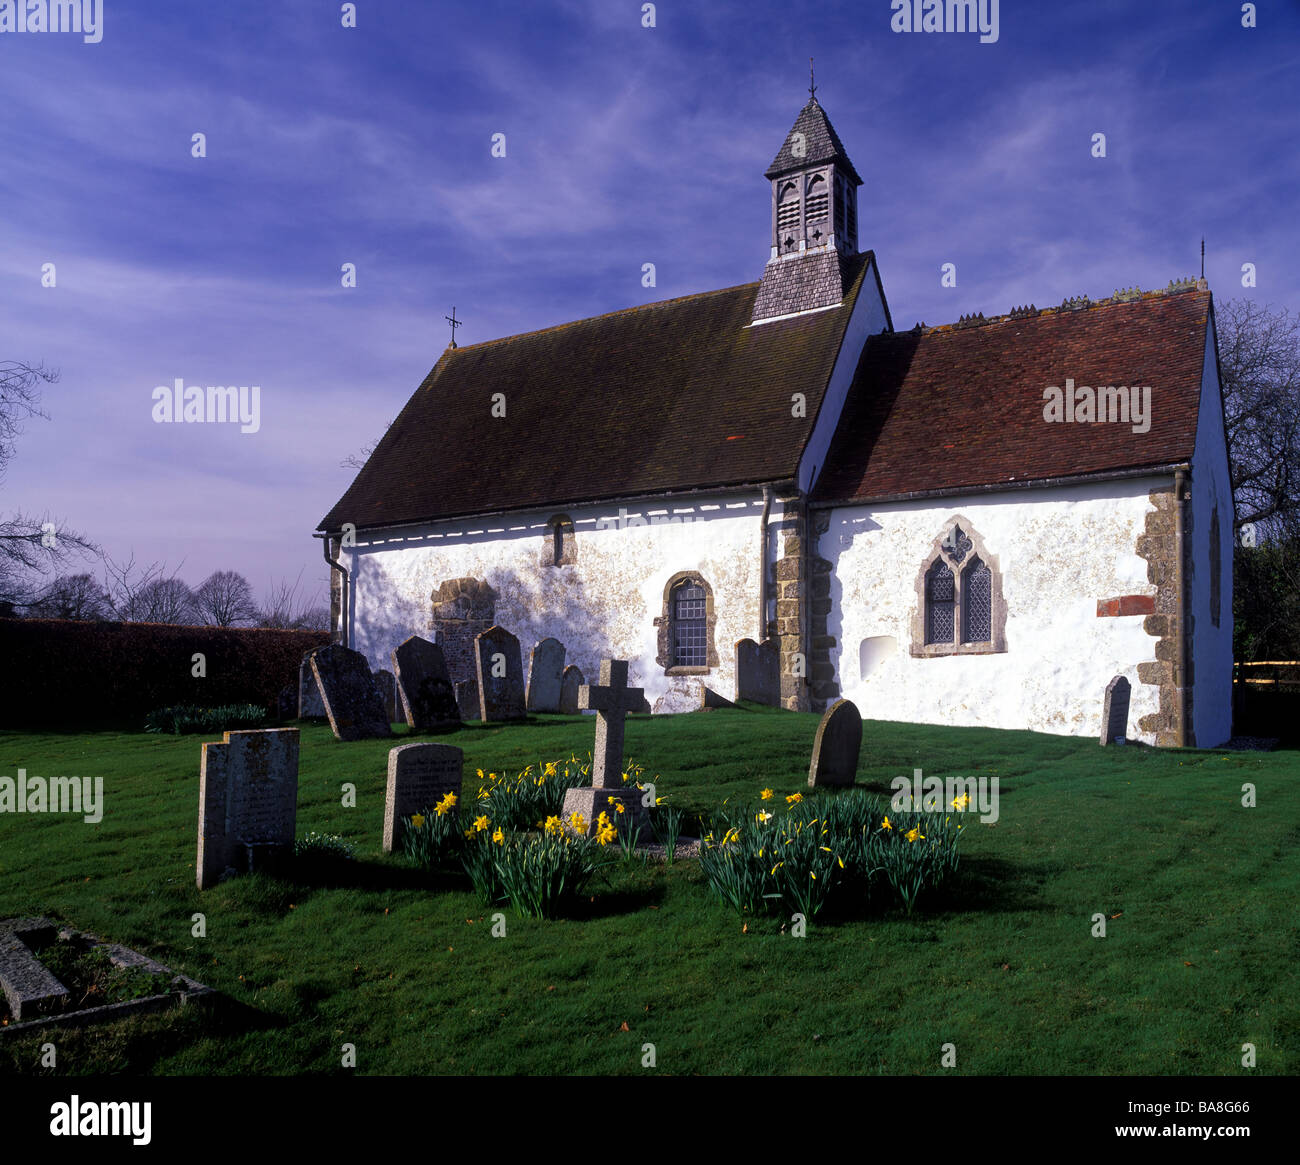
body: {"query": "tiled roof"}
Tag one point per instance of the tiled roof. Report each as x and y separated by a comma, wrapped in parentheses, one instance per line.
(679, 395)
(820, 143)
(962, 405)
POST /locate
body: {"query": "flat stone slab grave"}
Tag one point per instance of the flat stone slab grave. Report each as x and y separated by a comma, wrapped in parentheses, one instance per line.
(32, 992)
(836, 746)
(248, 802)
(424, 685)
(352, 700)
(418, 776)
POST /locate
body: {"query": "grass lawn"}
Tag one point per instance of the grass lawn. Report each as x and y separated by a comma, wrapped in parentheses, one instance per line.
(1199, 957)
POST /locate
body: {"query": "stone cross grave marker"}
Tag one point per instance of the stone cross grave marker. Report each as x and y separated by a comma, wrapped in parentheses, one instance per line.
(758, 672)
(309, 702)
(424, 684)
(248, 803)
(545, 669)
(836, 746)
(1114, 711)
(500, 675)
(570, 682)
(351, 697)
(418, 776)
(611, 700)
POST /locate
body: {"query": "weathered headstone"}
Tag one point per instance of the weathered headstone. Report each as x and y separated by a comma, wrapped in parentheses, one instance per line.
(611, 700)
(836, 746)
(310, 705)
(418, 776)
(248, 803)
(352, 701)
(500, 676)
(386, 682)
(1114, 711)
(758, 672)
(545, 672)
(570, 682)
(30, 989)
(428, 700)
(467, 699)
(710, 699)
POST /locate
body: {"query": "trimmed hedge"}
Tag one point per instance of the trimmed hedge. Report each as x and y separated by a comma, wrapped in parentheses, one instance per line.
(66, 674)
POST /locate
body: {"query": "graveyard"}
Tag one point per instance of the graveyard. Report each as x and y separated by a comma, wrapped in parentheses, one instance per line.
(413, 971)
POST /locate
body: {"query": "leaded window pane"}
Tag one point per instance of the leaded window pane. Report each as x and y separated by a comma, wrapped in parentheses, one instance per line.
(977, 603)
(939, 604)
(690, 634)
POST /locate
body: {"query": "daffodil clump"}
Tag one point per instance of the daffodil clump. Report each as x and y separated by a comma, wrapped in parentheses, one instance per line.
(522, 800)
(431, 837)
(537, 873)
(843, 847)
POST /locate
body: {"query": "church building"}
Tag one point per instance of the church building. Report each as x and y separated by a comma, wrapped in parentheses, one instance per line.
(980, 523)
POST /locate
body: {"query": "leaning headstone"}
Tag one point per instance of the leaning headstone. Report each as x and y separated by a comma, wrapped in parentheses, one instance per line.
(467, 699)
(836, 746)
(545, 672)
(418, 776)
(386, 682)
(570, 682)
(428, 700)
(352, 701)
(611, 700)
(1114, 711)
(500, 676)
(758, 672)
(248, 803)
(310, 705)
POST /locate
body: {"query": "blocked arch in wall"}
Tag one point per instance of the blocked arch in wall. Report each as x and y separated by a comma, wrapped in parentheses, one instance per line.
(561, 547)
(665, 625)
(956, 571)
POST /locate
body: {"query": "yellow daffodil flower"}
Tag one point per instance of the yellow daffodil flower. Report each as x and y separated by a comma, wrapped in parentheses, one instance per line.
(767, 794)
(417, 821)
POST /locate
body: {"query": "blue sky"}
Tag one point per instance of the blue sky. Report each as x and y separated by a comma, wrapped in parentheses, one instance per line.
(625, 145)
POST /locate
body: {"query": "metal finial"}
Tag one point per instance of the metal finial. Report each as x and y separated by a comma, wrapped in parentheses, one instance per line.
(812, 87)
(1202, 256)
(455, 323)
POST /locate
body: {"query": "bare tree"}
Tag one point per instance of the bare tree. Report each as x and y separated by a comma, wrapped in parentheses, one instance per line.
(136, 594)
(167, 600)
(283, 607)
(1259, 356)
(72, 596)
(225, 599)
(18, 396)
(357, 460)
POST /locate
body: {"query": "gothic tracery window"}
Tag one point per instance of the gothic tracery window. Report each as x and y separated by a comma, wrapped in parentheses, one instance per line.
(960, 609)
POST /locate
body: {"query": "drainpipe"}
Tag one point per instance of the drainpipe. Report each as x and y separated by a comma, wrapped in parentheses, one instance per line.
(343, 589)
(1180, 611)
(762, 564)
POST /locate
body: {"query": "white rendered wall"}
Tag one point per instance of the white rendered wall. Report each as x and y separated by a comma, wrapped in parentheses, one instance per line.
(603, 606)
(1211, 645)
(1059, 550)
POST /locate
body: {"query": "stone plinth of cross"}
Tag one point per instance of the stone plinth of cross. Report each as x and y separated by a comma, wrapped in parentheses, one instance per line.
(611, 700)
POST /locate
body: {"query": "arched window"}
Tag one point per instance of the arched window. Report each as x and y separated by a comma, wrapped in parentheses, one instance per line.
(686, 645)
(960, 609)
(560, 548)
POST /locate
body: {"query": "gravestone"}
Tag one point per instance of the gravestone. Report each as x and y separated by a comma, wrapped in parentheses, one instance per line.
(352, 701)
(1114, 711)
(611, 700)
(836, 746)
(758, 672)
(570, 682)
(386, 682)
(29, 988)
(545, 673)
(429, 702)
(310, 705)
(248, 803)
(418, 776)
(500, 676)
(467, 699)
(286, 703)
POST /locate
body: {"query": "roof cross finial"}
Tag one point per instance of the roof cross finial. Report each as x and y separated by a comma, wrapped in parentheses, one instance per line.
(812, 87)
(455, 323)
(1202, 256)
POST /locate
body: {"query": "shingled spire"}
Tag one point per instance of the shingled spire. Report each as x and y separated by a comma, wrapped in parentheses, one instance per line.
(814, 218)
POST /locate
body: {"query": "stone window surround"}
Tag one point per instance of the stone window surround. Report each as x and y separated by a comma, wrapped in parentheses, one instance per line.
(664, 626)
(998, 614)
